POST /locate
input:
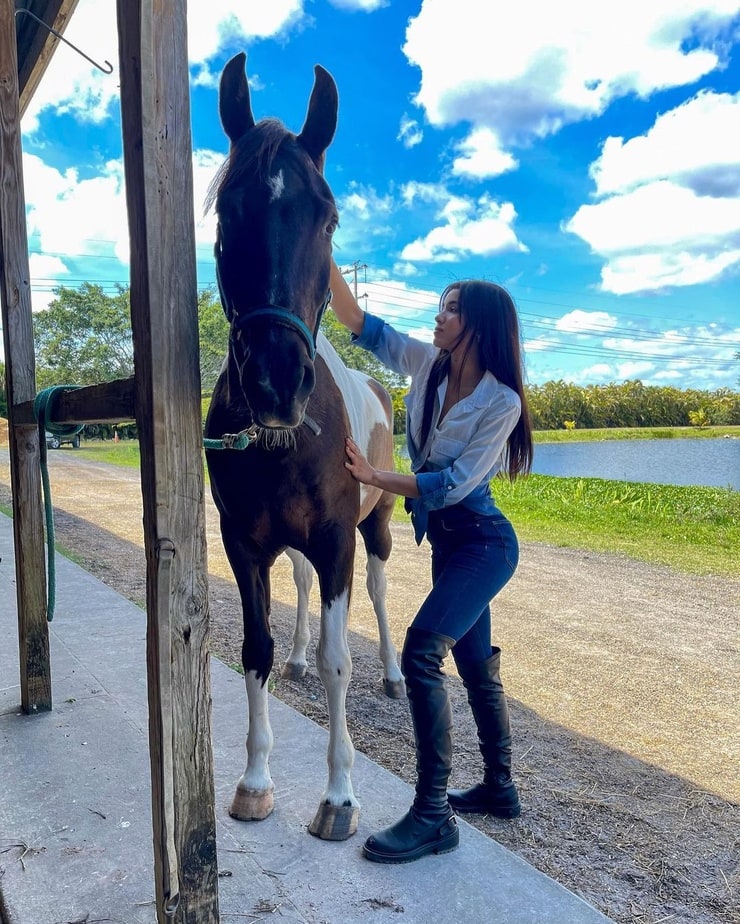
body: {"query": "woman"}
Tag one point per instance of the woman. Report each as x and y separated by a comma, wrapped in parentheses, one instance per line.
(467, 420)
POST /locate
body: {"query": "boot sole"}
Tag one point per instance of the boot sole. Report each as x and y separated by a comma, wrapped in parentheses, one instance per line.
(503, 812)
(447, 845)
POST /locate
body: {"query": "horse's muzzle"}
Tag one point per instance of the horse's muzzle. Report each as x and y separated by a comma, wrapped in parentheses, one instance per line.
(277, 394)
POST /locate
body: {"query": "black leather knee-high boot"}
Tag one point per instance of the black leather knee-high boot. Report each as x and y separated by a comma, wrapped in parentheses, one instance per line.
(497, 794)
(429, 826)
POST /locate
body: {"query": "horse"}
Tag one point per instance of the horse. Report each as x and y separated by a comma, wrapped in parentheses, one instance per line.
(285, 395)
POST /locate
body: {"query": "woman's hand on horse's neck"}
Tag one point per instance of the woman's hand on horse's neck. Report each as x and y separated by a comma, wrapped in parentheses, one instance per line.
(343, 302)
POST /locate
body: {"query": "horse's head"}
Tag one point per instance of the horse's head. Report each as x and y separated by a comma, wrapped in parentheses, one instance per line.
(276, 217)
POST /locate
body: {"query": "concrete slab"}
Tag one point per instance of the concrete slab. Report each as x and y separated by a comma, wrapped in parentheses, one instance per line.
(75, 816)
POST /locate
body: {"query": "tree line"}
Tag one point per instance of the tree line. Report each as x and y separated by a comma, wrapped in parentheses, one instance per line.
(84, 337)
(562, 405)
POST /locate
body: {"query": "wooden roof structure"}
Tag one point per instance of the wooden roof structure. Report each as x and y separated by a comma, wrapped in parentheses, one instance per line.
(163, 397)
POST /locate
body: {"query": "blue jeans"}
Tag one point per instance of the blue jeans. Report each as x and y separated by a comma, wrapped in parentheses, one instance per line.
(473, 557)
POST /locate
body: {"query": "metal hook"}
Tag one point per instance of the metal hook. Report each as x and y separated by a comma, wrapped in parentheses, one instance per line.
(105, 70)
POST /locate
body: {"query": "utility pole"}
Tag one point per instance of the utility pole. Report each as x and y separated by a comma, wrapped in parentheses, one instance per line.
(353, 269)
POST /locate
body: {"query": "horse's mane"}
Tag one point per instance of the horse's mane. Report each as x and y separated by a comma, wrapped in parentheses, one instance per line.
(253, 154)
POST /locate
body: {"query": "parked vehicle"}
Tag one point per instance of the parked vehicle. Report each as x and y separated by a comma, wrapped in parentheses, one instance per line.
(54, 441)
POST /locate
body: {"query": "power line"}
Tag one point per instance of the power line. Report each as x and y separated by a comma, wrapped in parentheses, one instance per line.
(424, 305)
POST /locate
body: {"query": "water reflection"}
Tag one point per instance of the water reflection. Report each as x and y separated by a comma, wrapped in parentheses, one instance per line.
(708, 462)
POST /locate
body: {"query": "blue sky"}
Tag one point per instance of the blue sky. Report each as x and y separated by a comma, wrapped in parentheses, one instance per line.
(585, 155)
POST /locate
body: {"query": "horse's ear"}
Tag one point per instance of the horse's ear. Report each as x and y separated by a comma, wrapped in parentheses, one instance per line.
(234, 104)
(321, 118)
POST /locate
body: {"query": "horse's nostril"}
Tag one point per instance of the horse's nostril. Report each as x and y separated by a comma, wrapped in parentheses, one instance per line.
(309, 379)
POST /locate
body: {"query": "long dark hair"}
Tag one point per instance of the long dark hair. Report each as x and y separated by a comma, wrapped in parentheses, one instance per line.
(488, 311)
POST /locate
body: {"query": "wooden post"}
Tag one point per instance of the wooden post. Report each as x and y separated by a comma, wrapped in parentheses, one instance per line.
(20, 375)
(155, 105)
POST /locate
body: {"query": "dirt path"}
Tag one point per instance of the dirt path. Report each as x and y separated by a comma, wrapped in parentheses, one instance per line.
(624, 687)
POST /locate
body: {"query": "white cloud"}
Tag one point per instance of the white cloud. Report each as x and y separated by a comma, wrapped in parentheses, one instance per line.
(537, 66)
(363, 6)
(467, 227)
(537, 344)
(582, 322)
(82, 222)
(205, 167)
(426, 192)
(405, 270)
(599, 371)
(398, 303)
(659, 214)
(45, 268)
(661, 270)
(214, 24)
(671, 212)
(673, 216)
(409, 132)
(73, 217)
(364, 203)
(46, 273)
(686, 345)
(363, 215)
(481, 156)
(696, 145)
(660, 234)
(71, 84)
(697, 356)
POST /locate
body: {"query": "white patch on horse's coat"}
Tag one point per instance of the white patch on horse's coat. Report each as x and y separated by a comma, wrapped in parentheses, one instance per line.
(377, 585)
(277, 185)
(260, 739)
(334, 664)
(303, 580)
(364, 409)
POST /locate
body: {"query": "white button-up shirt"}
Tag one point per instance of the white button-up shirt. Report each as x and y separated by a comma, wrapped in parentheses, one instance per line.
(463, 452)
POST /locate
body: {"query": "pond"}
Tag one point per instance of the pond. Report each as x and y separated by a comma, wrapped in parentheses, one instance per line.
(707, 462)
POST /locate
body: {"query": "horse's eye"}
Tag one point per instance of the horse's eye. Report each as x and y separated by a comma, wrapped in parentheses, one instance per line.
(332, 227)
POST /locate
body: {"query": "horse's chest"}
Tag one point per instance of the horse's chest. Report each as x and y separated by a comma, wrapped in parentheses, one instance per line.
(267, 493)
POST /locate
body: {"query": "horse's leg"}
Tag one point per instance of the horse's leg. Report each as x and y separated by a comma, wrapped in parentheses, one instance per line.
(377, 583)
(253, 799)
(296, 665)
(339, 810)
(377, 537)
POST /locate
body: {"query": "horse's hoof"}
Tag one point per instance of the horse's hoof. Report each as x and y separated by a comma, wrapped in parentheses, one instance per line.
(251, 804)
(394, 689)
(335, 822)
(292, 671)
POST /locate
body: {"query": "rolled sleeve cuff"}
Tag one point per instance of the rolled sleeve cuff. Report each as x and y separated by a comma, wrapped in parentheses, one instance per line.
(370, 337)
(433, 488)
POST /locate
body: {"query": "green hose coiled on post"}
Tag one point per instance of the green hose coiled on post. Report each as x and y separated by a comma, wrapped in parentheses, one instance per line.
(43, 410)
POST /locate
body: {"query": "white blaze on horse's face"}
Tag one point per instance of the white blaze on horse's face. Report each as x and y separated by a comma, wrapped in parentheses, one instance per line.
(277, 186)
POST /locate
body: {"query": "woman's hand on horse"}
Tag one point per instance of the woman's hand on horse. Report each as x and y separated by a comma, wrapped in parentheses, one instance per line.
(358, 464)
(393, 482)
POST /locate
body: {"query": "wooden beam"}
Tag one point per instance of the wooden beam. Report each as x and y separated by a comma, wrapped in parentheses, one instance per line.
(37, 45)
(155, 106)
(109, 402)
(20, 376)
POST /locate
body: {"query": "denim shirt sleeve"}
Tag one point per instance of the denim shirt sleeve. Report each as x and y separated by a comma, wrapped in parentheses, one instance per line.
(433, 488)
(401, 353)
